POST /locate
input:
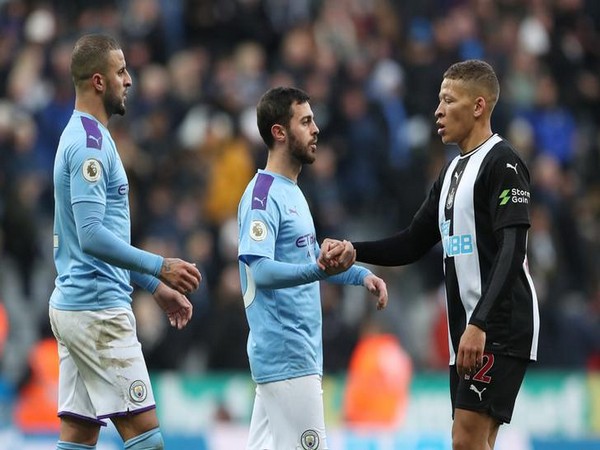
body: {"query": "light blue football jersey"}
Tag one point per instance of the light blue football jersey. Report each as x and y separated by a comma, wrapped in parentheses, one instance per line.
(88, 168)
(275, 222)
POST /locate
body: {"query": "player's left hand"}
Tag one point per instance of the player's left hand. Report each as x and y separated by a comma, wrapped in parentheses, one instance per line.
(470, 351)
(180, 275)
(378, 288)
(176, 305)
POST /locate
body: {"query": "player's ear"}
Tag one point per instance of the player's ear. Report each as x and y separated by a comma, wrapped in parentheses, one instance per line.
(278, 133)
(98, 82)
(479, 106)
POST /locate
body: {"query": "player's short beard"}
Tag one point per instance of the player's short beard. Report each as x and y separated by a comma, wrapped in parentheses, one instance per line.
(113, 104)
(299, 151)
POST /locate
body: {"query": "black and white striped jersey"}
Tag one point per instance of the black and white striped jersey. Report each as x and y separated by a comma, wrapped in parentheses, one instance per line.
(476, 196)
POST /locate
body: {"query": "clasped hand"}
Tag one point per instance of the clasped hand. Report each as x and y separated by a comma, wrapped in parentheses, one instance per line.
(336, 256)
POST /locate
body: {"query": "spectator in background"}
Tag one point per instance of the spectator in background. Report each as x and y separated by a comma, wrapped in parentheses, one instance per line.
(228, 329)
(553, 125)
(363, 156)
(378, 360)
(35, 409)
(23, 279)
(323, 191)
(230, 167)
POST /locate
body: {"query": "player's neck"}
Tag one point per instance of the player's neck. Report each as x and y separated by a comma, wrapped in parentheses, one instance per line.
(278, 163)
(93, 107)
(474, 140)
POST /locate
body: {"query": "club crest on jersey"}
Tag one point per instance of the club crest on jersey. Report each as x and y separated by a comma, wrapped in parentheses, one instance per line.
(310, 440)
(258, 230)
(450, 199)
(92, 170)
(138, 391)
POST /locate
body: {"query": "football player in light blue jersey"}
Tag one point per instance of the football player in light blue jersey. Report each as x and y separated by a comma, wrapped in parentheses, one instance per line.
(102, 370)
(280, 277)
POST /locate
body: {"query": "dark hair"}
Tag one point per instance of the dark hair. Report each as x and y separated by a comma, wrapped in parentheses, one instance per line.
(479, 75)
(90, 55)
(274, 107)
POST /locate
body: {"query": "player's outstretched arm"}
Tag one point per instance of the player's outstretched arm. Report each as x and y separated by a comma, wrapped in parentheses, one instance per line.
(180, 275)
(378, 288)
(176, 305)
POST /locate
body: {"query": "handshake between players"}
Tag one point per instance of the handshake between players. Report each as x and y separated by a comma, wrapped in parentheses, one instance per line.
(337, 256)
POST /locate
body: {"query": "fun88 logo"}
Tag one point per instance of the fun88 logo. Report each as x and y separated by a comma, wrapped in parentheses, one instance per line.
(460, 244)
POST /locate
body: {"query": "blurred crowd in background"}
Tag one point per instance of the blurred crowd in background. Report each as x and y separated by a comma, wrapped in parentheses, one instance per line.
(373, 68)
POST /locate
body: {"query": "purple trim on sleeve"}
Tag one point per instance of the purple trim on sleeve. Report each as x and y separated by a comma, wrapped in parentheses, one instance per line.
(260, 193)
(92, 132)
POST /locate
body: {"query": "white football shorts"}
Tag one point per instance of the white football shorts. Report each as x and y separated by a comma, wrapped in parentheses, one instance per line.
(288, 415)
(102, 371)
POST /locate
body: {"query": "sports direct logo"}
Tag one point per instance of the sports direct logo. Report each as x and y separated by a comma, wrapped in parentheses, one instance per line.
(514, 195)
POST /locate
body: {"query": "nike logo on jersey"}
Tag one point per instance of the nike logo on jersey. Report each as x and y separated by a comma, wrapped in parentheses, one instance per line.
(293, 210)
(510, 166)
(477, 391)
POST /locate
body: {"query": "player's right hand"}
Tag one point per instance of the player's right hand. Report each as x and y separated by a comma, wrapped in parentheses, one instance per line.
(176, 305)
(181, 275)
(336, 256)
(470, 351)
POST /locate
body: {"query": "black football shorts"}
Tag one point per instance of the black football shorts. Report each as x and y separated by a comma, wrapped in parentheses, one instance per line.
(492, 390)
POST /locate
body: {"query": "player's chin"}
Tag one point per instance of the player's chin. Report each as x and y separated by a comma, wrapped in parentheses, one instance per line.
(448, 138)
(309, 158)
(120, 110)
